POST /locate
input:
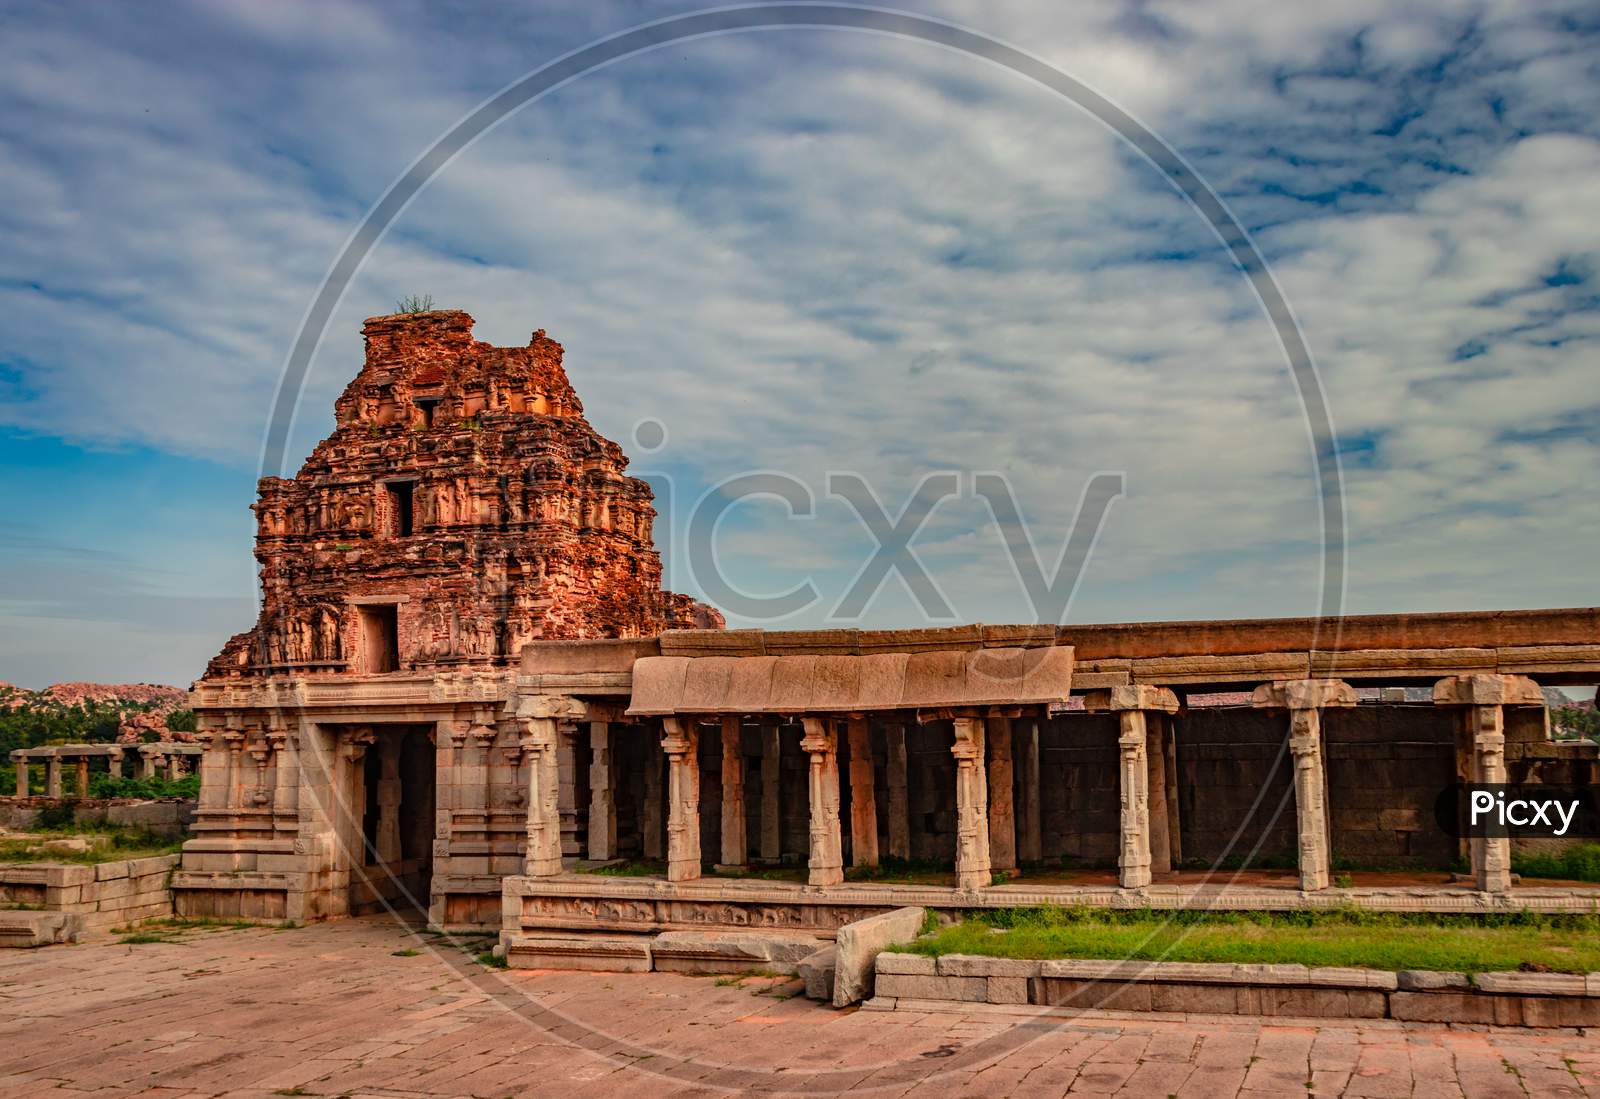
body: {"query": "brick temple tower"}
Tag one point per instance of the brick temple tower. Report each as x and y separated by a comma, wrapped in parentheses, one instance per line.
(462, 507)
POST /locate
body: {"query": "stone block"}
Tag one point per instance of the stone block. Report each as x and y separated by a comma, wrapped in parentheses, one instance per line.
(609, 954)
(1109, 995)
(1006, 990)
(1350, 977)
(106, 871)
(859, 945)
(974, 965)
(1429, 980)
(907, 986)
(1534, 984)
(27, 929)
(817, 970)
(918, 965)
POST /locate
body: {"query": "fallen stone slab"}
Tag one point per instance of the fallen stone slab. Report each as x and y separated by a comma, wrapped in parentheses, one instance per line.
(27, 929)
(817, 970)
(859, 945)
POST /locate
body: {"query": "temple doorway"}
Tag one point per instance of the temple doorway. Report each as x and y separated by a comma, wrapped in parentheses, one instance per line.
(397, 791)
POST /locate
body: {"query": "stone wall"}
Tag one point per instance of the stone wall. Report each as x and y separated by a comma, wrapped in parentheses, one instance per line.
(1386, 767)
(1078, 790)
(1227, 758)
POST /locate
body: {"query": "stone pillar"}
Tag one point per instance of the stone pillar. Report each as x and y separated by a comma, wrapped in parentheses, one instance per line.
(1305, 700)
(52, 776)
(1030, 810)
(174, 766)
(386, 849)
(602, 794)
(826, 862)
(771, 804)
(1131, 703)
(972, 806)
(1156, 742)
(540, 717)
(681, 744)
(83, 776)
(894, 738)
(114, 762)
(650, 826)
(20, 761)
(734, 840)
(1483, 699)
(147, 765)
(1002, 807)
(863, 802)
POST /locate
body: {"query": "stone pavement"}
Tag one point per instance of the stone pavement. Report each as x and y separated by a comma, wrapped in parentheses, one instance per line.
(333, 1010)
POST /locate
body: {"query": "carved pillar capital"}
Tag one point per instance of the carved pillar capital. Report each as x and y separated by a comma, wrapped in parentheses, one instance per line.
(1131, 696)
(1303, 694)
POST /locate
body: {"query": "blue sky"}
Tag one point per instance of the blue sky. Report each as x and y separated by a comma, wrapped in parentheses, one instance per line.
(809, 251)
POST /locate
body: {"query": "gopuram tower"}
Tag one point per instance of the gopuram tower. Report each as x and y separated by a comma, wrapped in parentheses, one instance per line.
(462, 507)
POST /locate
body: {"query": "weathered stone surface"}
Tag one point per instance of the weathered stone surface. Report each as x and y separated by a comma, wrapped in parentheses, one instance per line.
(1534, 984)
(817, 971)
(919, 965)
(861, 943)
(30, 929)
(1427, 980)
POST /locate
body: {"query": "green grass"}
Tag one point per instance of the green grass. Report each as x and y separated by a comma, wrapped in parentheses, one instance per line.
(633, 868)
(122, 843)
(1580, 862)
(1473, 944)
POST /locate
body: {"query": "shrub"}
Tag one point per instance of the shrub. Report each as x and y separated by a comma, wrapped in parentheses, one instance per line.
(416, 303)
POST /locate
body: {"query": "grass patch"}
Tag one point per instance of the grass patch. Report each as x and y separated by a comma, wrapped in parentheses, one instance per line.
(632, 868)
(491, 959)
(1580, 862)
(121, 843)
(1473, 944)
(407, 953)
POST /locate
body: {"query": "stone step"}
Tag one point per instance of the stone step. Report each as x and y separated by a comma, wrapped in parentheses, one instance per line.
(732, 951)
(596, 953)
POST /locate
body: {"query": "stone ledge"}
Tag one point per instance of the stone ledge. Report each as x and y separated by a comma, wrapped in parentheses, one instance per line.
(593, 953)
(1186, 988)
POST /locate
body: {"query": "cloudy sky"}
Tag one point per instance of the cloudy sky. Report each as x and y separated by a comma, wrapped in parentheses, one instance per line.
(809, 251)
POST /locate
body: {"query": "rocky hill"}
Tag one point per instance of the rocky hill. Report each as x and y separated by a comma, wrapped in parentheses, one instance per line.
(141, 696)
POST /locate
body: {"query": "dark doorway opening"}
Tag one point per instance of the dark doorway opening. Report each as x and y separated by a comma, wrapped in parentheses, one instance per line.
(400, 500)
(380, 637)
(397, 824)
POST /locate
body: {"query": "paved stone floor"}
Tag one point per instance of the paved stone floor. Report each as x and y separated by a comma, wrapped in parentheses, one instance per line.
(335, 1010)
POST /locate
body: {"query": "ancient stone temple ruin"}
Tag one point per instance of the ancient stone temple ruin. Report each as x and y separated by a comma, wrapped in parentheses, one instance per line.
(466, 690)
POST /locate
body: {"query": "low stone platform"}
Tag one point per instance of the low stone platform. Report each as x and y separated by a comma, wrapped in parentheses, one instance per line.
(912, 981)
(97, 896)
(590, 902)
